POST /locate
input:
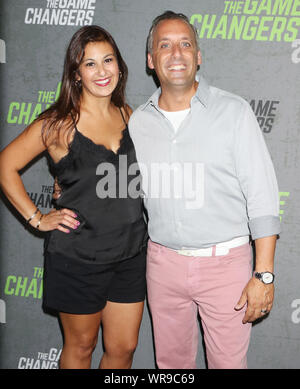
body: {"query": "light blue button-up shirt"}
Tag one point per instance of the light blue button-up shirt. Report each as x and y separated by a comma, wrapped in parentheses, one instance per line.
(210, 181)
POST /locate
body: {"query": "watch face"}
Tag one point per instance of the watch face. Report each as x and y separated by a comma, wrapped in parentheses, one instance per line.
(267, 278)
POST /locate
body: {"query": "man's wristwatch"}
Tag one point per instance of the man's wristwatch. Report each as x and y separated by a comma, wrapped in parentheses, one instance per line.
(265, 277)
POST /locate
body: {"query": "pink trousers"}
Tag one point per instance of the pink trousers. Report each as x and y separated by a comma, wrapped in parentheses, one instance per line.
(179, 287)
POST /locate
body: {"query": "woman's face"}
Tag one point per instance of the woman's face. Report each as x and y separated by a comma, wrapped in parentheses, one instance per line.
(99, 70)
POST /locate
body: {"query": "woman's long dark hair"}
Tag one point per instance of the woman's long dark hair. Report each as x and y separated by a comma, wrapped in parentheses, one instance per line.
(67, 106)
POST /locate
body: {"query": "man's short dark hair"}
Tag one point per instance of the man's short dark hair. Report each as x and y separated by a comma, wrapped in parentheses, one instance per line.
(169, 15)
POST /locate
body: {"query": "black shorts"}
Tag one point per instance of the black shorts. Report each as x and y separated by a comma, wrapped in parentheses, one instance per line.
(73, 286)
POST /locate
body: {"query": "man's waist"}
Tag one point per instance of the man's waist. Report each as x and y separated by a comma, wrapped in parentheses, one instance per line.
(221, 248)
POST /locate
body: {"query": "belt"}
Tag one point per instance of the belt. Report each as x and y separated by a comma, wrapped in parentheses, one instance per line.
(221, 248)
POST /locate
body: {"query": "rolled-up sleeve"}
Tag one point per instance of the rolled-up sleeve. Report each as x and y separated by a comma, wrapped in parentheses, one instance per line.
(256, 175)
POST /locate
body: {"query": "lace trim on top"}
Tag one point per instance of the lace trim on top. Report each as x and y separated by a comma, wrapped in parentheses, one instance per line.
(95, 147)
(79, 140)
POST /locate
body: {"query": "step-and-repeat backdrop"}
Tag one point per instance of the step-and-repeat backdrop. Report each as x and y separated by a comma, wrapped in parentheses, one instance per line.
(249, 47)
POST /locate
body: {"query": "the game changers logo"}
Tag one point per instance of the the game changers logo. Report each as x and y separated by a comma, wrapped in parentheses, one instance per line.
(43, 198)
(265, 20)
(62, 13)
(26, 112)
(28, 287)
(49, 360)
(282, 202)
(265, 112)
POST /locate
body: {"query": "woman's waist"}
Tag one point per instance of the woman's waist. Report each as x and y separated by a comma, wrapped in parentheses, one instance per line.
(109, 212)
(97, 225)
(106, 244)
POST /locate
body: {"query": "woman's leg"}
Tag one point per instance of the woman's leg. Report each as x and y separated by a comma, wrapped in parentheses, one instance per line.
(80, 339)
(121, 323)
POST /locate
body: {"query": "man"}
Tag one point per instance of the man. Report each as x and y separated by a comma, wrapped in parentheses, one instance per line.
(219, 190)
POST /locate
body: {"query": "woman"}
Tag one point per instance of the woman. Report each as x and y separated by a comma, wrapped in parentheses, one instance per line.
(95, 249)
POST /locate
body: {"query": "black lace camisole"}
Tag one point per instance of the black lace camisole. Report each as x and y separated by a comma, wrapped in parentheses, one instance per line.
(103, 189)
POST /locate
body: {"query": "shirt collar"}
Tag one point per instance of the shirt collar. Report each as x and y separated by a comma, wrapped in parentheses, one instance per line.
(202, 94)
(203, 91)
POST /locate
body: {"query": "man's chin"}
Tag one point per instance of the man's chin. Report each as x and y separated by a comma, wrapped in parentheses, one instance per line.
(180, 83)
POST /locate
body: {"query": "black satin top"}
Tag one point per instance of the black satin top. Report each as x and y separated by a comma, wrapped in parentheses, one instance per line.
(98, 187)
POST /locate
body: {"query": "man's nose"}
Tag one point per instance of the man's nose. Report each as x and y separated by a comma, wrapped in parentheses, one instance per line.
(176, 50)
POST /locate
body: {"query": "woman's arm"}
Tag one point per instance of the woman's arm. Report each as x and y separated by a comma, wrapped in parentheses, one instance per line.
(13, 158)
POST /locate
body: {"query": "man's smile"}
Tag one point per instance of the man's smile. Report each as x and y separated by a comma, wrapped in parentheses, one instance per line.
(178, 67)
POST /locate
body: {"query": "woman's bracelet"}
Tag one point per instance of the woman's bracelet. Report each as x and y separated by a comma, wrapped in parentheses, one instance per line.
(39, 222)
(31, 217)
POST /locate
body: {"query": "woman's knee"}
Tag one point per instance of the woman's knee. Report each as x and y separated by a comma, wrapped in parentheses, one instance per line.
(122, 349)
(80, 333)
(82, 344)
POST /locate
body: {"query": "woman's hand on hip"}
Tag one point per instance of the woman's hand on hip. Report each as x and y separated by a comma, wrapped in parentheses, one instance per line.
(57, 220)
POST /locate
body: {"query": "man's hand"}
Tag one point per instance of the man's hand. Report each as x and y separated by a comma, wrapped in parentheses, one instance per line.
(259, 297)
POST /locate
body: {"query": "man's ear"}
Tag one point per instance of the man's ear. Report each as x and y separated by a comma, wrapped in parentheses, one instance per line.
(150, 61)
(199, 57)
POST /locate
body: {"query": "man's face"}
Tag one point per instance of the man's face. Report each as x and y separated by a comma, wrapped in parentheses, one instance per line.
(174, 56)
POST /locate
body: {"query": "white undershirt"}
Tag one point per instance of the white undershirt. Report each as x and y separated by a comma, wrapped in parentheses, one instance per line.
(176, 117)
